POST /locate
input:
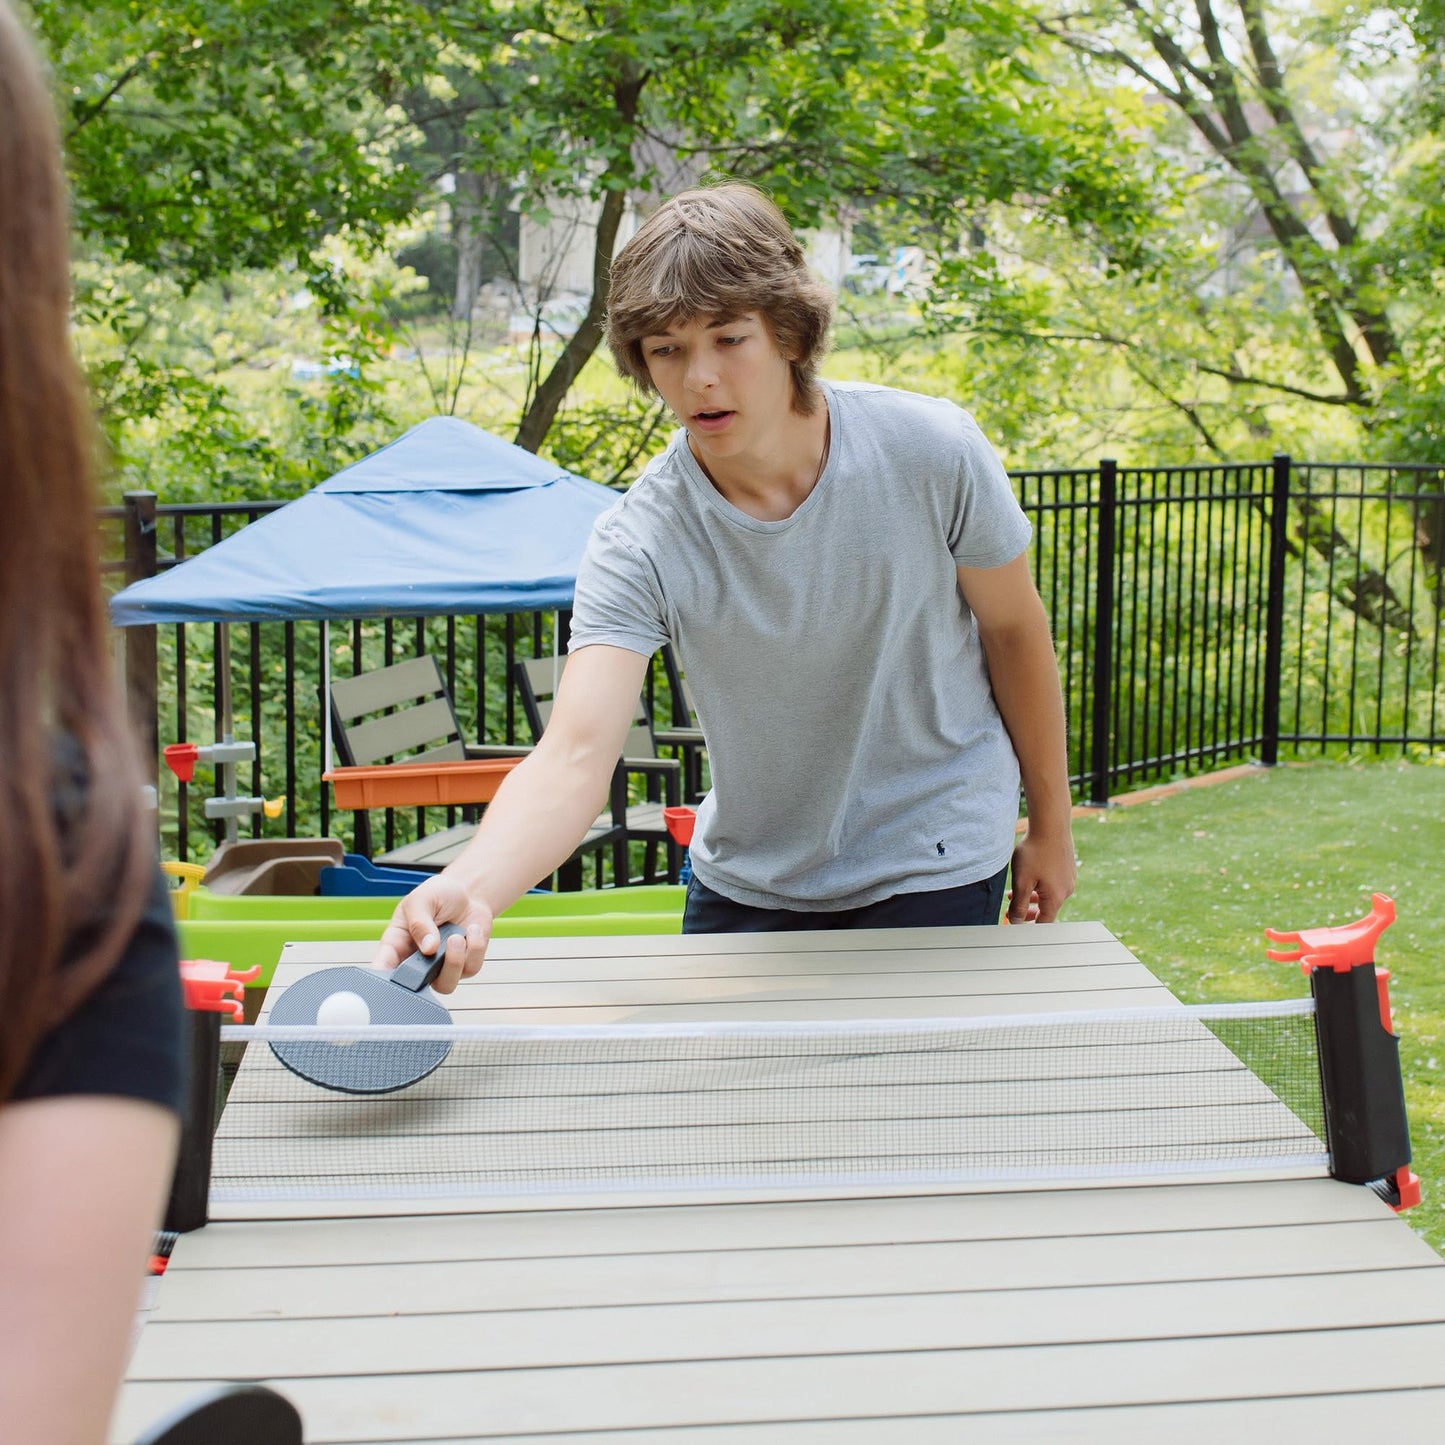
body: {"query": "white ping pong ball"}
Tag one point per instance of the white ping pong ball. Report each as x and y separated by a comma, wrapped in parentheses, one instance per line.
(343, 1010)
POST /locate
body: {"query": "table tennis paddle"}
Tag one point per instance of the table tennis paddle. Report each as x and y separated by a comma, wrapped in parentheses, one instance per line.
(366, 996)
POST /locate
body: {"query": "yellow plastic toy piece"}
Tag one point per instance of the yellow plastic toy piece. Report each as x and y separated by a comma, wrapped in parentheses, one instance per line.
(189, 876)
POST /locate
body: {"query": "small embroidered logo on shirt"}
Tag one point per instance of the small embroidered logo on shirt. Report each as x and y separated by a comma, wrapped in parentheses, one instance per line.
(941, 849)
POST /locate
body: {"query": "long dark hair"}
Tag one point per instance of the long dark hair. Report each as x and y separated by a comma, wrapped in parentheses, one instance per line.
(74, 849)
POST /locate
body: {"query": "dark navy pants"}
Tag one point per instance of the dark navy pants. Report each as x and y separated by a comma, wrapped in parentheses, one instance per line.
(707, 911)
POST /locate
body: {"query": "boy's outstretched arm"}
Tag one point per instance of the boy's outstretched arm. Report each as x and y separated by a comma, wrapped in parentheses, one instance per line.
(1014, 630)
(540, 814)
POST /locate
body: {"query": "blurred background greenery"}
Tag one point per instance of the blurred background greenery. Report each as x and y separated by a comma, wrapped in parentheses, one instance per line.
(1153, 232)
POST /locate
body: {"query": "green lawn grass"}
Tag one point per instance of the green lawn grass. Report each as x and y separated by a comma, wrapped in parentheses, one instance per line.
(1191, 880)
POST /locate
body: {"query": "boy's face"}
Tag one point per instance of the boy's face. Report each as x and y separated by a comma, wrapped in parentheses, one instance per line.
(725, 380)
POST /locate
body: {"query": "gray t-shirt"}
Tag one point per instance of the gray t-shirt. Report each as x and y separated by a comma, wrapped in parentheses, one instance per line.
(855, 748)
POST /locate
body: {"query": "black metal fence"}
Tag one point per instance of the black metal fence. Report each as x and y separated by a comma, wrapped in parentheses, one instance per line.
(1202, 616)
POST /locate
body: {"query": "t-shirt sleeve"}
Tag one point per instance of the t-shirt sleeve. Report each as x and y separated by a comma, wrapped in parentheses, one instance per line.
(128, 1037)
(987, 527)
(618, 601)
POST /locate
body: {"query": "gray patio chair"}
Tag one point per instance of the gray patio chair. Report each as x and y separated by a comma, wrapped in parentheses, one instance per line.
(685, 734)
(404, 713)
(535, 680)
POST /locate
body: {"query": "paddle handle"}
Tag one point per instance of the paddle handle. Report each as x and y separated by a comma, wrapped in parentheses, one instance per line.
(416, 972)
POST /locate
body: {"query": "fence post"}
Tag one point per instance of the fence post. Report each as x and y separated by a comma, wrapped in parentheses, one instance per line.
(140, 642)
(1274, 608)
(1103, 699)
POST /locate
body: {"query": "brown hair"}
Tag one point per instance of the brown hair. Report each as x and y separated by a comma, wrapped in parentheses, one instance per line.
(74, 850)
(717, 252)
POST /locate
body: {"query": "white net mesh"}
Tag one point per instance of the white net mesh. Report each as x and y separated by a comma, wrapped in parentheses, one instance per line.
(516, 1110)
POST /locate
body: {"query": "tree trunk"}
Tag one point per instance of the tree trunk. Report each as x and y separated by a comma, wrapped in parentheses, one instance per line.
(1212, 97)
(469, 214)
(547, 400)
(1365, 591)
(627, 87)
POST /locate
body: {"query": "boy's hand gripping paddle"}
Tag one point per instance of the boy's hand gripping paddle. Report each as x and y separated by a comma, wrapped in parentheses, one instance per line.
(359, 996)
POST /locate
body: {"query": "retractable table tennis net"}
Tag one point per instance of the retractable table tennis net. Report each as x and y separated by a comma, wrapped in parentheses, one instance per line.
(878, 1105)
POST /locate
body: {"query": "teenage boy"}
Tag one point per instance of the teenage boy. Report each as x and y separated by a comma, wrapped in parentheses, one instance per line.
(843, 570)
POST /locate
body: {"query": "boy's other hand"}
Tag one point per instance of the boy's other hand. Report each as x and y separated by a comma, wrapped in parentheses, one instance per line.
(1043, 876)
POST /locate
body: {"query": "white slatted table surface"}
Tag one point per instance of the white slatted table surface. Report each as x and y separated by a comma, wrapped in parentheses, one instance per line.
(1209, 1309)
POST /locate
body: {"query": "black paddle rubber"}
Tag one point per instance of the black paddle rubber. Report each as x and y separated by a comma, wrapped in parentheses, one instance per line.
(391, 998)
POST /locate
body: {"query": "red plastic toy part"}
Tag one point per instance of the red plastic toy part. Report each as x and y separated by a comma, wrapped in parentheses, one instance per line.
(1341, 948)
(214, 987)
(680, 823)
(181, 759)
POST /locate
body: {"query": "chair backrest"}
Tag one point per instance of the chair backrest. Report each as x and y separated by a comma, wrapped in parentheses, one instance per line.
(401, 713)
(536, 680)
(684, 714)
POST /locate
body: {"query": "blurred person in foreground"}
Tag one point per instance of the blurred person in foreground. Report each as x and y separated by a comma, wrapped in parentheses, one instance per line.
(91, 1028)
(843, 570)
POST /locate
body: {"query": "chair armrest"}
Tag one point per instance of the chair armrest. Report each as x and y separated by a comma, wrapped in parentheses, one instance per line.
(661, 766)
(679, 738)
(497, 750)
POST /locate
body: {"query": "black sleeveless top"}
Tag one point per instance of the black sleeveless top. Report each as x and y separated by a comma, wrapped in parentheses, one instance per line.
(127, 1038)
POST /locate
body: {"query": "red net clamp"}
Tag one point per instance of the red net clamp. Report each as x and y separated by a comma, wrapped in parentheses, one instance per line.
(214, 987)
(1340, 948)
(1405, 1186)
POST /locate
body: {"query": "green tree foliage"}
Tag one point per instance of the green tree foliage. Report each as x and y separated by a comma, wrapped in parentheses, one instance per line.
(1296, 302)
(209, 136)
(212, 143)
(1157, 229)
(917, 107)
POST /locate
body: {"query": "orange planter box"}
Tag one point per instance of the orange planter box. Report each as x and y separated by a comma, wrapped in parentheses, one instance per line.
(419, 785)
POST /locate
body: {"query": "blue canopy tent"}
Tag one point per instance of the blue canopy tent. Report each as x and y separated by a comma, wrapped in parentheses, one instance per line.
(446, 519)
